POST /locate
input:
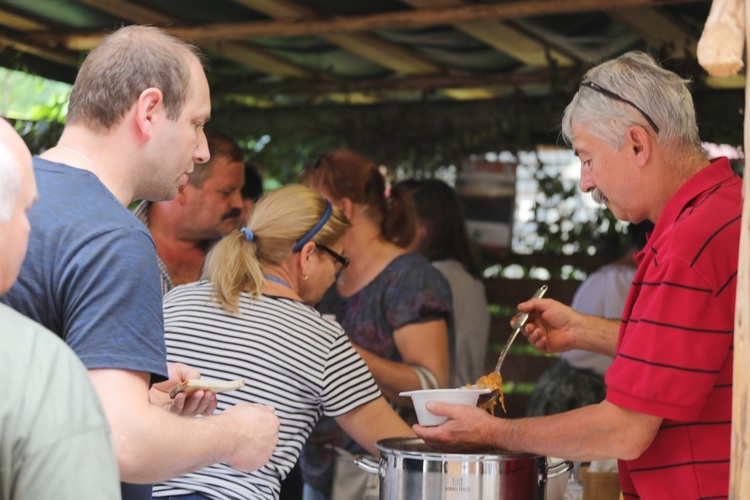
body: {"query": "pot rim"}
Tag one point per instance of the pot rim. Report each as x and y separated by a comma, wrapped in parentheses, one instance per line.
(395, 445)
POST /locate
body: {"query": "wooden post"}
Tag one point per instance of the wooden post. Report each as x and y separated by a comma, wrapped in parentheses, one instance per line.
(720, 53)
(739, 481)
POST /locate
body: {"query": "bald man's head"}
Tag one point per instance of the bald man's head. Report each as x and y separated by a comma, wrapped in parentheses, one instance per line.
(17, 194)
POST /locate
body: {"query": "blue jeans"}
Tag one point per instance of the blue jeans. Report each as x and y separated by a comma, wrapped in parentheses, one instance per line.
(310, 493)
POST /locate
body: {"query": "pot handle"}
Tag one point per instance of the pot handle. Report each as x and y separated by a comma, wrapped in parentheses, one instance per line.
(558, 470)
(367, 464)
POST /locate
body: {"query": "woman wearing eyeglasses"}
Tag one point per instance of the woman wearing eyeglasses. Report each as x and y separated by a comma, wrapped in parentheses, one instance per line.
(252, 319)
(394, 305)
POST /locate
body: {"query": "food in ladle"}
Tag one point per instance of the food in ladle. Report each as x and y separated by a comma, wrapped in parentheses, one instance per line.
(494, 382)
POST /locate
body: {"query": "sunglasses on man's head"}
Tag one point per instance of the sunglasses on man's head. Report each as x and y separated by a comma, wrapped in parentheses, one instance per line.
(598, 88)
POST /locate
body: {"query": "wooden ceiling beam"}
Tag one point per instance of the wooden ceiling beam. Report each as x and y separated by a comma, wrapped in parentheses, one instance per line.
(279, 9)
(603, 48)
(502, 36)
(366, 45)
(515, 43)
(245, 54)
(19, 22)
(657, 29)
(371, 47)
(22, 44)
(259, 59)
(384, 53)
(134, 12)
(411, 83)
(389, 20)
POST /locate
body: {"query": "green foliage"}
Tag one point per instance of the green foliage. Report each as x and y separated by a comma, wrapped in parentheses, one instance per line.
(28, 97)
(281, 162)
(564, 228)
(518, 387)
(39, 135)
(36, 106)
(413, 137)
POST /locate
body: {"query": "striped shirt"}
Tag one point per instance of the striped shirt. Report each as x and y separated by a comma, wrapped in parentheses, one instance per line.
(290, 358)
(675, 348)
(165, 280)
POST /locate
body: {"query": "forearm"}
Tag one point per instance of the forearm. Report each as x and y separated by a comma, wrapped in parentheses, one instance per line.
(590, 433)
(152, 444)
(372, 422)
(598, 335)
(159, 445)
(392, 377)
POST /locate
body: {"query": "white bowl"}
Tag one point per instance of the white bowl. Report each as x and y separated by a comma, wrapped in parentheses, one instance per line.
(460, 396)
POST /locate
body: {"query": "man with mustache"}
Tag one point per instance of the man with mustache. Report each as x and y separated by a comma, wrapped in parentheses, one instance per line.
(668, 410)
(205, 209)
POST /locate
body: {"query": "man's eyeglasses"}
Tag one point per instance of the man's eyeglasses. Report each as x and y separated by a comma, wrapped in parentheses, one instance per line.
(588, 83)
(340, 259)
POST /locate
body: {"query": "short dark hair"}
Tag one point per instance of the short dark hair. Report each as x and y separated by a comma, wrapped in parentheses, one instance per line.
(439, 209)
(253, 187)
(220, 145)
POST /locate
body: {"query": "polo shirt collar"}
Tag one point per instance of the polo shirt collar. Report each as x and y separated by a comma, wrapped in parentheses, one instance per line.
(717, 172)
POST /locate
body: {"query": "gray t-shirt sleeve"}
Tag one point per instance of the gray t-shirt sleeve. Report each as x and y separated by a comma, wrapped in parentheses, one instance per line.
(54, 437)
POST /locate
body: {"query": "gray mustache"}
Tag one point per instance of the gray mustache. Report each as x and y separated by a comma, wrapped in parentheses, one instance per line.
(598, 196)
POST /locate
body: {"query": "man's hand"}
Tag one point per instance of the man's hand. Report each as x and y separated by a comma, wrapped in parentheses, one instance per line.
(469, 429)
(199, 402)
(257, 433)
(551, 326)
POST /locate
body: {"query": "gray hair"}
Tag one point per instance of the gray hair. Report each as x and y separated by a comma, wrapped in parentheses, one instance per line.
(10, 182)
(661, 94)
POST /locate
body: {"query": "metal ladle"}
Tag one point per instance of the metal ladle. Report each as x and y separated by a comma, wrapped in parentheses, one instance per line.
(517, 327)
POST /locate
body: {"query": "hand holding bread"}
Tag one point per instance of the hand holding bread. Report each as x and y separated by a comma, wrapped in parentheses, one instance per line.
(190, 386)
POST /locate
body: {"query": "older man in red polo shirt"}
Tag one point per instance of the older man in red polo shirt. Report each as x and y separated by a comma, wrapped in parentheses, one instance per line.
(667, 415)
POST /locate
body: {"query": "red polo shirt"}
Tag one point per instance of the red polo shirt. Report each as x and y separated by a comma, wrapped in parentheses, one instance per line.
(675, 347)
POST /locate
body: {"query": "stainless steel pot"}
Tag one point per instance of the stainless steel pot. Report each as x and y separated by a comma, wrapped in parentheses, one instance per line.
(411, 470)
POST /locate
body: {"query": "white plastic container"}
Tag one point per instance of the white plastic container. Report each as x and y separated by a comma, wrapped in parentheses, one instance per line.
(461, 396)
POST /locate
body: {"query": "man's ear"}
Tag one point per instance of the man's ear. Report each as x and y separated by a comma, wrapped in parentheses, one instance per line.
(639, 142)
(149, 110)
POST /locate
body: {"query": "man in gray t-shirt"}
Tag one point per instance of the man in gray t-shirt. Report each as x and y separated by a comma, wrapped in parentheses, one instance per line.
(54, 436)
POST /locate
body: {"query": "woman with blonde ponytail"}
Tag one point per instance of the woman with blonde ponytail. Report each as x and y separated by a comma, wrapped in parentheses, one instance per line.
(252, 319)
